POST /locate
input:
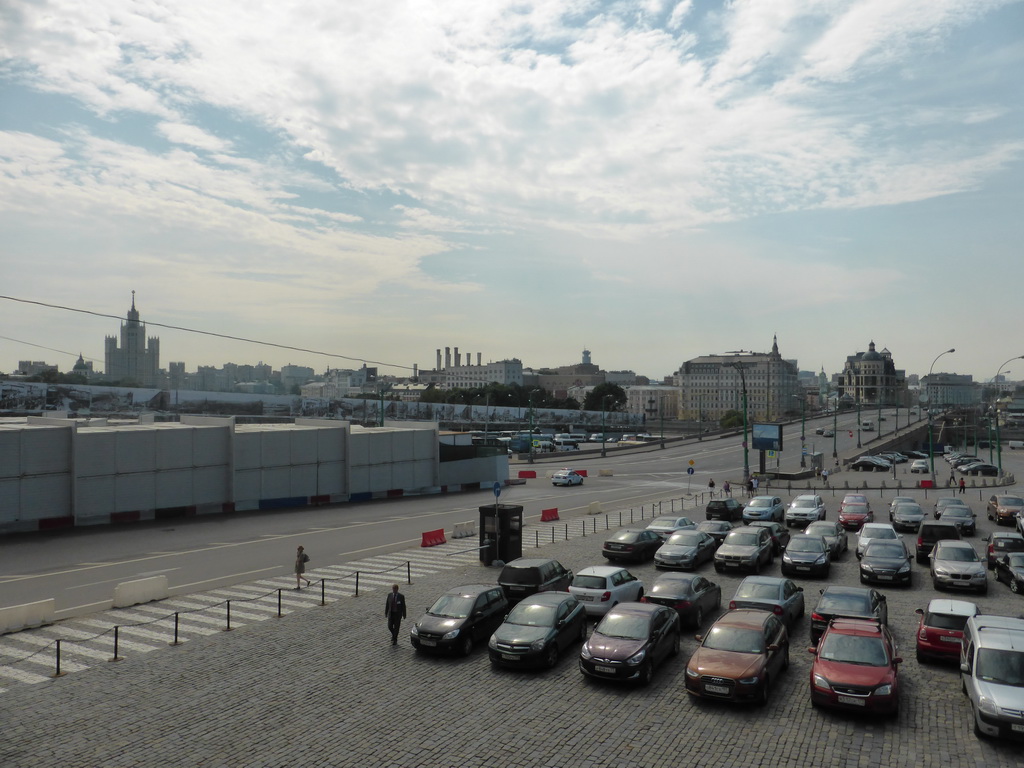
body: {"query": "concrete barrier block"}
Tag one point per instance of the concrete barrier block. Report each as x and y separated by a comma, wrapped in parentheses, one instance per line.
(595, 508)
(605, 473)
(140, 591)
(18, 617)
(464, 530)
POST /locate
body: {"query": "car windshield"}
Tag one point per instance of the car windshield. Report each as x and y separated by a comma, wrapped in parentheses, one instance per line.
(999, 666)
(956, 512)
(957, 554)
(805, 545)
(625, 626)
(668, 522)
(803, 504)
(672, 586)
(1011, 501)
(742, 539)
(946, 621)
(855, 509)
(755, 590)
(1015, 560)
(909, 509)
(453, 606)
(684, 539)
(854, 649)
(839, 602)
(825, 529)
(526, 576)
(735, 639)
(585, 581)
(878, 533)
(855, 499)
(529, 615)
(759, 503)
(885, 549)
(713, 525)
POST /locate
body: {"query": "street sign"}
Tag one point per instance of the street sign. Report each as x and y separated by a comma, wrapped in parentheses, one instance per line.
(689, 470)
(497, 489)
(770, 454)
(691, 462)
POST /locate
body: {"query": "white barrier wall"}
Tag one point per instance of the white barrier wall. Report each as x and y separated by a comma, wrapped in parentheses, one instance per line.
(27, 615)
(140, 591)
(35, 471)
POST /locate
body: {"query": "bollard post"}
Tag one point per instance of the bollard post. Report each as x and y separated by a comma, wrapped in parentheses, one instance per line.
(279, 603)
(566, 531)
(58, 673)
(115, 657)
(630, 515)
(323, 591)
(227, 628)
(594, 526)
(620, 518)
(584, 527)
(408, 571)
(176, 641)
(536, 539)
(606, 526)
(357, 583)
(552, 534)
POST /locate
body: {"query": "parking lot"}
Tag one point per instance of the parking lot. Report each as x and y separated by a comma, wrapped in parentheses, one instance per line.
(324, 686)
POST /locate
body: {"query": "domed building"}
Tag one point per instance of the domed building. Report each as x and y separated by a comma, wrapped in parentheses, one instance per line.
(871, 378)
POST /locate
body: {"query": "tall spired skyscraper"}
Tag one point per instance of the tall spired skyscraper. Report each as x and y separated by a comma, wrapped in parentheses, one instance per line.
(134, 360)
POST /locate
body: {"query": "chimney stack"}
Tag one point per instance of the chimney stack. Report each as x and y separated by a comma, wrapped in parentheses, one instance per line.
(438, 366)
(458, 359)
(478, 356)
(447, 357)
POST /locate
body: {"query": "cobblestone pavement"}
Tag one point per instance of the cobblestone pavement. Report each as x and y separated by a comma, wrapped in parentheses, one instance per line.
(324, 686)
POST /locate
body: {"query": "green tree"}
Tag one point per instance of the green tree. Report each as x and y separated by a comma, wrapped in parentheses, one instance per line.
(731, 419)
(595, 399)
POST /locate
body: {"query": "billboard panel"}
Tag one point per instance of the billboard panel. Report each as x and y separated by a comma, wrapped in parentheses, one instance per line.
(766, 437)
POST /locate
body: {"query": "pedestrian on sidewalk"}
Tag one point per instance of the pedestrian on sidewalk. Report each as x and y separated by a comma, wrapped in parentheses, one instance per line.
(750, 487)
(824, 477)
(711, 486)
(756, 483)
(726, 488)
(301, 558)
(963, 485)
(952, 479)
(394, 611)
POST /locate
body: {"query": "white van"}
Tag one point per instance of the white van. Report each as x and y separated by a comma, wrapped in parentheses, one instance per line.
(1015, 444)
(565, 444)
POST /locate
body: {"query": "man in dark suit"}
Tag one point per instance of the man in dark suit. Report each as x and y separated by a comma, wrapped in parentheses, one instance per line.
(394, 611)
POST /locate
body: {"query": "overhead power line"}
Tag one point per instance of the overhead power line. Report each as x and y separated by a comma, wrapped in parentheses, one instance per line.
(207, 333)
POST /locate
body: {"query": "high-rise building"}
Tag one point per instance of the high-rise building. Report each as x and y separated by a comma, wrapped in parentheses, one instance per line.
(871, 378)
(135, 360)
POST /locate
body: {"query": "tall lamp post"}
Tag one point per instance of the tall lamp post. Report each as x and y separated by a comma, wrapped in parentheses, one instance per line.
(661, 413)
(835, 428)
(928, 405)
(999, 444)
(858, 420)
(529, 398)
(604, 406)
(746, 447)
(803, 428)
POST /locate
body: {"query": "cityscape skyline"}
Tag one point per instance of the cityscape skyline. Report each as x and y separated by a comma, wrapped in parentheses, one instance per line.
(653, 180)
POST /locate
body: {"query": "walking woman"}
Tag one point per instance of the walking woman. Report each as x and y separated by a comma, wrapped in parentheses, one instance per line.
(301, 558)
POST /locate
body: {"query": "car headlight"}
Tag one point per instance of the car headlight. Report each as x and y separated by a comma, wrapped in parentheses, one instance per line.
(538, 645)
(787, 559)
(749, 680)
(866, 567)
(904, 569)
(450, 635)
(884, 690)
(585, 652)
(821, 682)
(941, 572)
(415, 631)
(821, 558)
(692, 672)
(987, 705)
(493, 643)
(636, 658)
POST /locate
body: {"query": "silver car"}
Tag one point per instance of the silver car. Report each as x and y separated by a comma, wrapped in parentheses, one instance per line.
(955, 564)
(992, 673)
(764, 508)
(805, 509)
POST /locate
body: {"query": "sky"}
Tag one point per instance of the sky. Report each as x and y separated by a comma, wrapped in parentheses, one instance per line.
(650, 180)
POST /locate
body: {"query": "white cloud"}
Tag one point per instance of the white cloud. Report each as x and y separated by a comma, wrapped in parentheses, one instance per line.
(193, 136)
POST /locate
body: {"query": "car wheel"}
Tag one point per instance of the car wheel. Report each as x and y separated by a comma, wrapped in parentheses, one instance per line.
(646, 673)
(639, 594)
(757, 565)
(466, 647)
(785, 659)
(718, 568)
(583, 630)
(1015, 587)
(675, 646)
(551, 657)
(762, 696)
(771, 559)
(698, 617)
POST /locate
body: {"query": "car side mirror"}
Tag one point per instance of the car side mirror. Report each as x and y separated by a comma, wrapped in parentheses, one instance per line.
(882, 598)
(699, 638)
(773, 647)
(799, 589)
(965, 669)
(897, 660)
(813, 651)
(919, 612)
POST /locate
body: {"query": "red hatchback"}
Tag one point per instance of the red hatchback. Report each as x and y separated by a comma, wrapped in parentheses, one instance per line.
(856, 668)
(853, 516)
(941, 630)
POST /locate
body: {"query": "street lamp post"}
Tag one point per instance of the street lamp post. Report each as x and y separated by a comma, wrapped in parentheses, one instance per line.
(746, 447)
(858, 422)
(803, 429)
(931, 442)
(604, 406)
(999, 444)
(661, 413)
(835, 427)
(529, 399)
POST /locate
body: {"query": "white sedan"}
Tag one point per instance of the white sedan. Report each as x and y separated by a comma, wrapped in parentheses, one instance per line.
(600, 587)
(567, 477)
(919, 465)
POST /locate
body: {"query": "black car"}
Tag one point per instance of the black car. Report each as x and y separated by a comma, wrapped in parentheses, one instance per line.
(848, 602)
(779, 533)
(459, 619)
(724, 509)
(526, 576)
(632, 544)
(1010, 569)
(885, 561)
(685, 550)
(630, 641)
(716, 529)
(690, 595)
(962, 517)
(807, 555)
(1002, 543)
(537, 630)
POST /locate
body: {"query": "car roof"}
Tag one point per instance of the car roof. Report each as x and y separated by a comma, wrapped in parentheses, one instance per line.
(645, 609)
(810, 496)
(599, 570)
(835, 589)
(812, 536)
(747, 618)
(1005, 535)
(1001, 632)
(773, 580)
(471, 589)
(954, 544)
(887, 526)
(952, 607)
(529, 562)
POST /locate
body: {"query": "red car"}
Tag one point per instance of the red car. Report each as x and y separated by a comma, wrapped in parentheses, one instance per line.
(940, 632)
(853, 516)
(856, 668)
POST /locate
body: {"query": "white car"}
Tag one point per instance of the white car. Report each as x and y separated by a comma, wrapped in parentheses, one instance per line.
(601, 587)
(666, 526)
(919, 465)
(567, 477)
(805, 509)
(874, 531)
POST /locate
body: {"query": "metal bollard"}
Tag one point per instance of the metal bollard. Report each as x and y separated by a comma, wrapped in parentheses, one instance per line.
(58, 673)
(408, 571)
(357, 583)
(566, 531)
(323, 591)
(536, 539)
(115, 657)
(176, 641)
(279, 603)
(227, 628)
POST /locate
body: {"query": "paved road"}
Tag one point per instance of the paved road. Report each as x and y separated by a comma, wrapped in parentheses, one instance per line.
(323, 686)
